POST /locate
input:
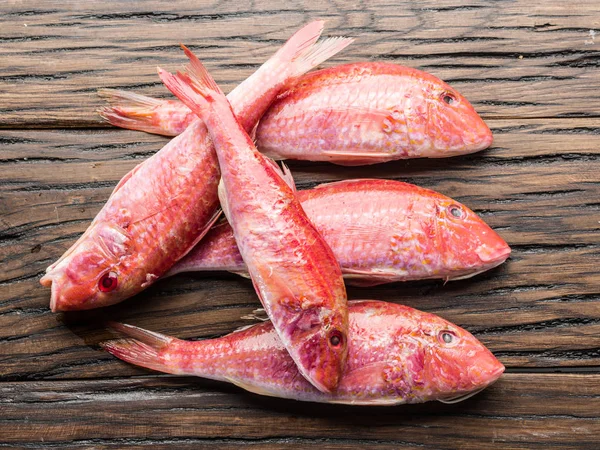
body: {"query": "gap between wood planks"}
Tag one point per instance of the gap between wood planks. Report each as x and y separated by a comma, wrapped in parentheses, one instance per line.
(583, 371)
(528, 410)
(94, 125)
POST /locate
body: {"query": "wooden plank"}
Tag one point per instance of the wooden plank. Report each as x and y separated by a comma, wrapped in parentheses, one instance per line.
(531, 70)
(519, 411)
(510, 59)
(541, 309)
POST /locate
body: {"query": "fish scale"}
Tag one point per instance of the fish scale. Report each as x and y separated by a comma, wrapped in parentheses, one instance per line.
(396, 355)
(293, 270)
(163, 207)
(370, 112)
(353, 114)
(380, 231)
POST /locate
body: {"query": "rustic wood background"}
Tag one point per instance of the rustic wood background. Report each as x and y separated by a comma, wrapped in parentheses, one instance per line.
(532, 70)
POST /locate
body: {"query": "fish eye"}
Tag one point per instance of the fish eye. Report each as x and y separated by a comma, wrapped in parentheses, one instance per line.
(336, 339)
(456, 211)
(108, 282)
(448, 98)
(447, 337)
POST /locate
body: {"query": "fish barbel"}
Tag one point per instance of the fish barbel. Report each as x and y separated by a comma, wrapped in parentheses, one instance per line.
(163, 207)
(294, 272)
(396, 355)
(381, 231)
(353, 114)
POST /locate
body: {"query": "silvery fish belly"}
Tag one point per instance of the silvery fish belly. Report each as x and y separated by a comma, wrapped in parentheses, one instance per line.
(294, 272)
(396, 355)
(365, 113)
(354, 114)
(164, 206)
(380, 231)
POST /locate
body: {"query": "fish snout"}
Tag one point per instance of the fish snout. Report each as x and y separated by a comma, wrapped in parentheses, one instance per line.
(495, 254)
(66, 295)
(325, 367)
(483, 136)
(486, 370)
(321, 357)
(478, 136)
(53, 281)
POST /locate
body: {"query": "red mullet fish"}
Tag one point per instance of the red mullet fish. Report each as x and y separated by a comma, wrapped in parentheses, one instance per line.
(396, 355)
(353, 114)
(380, 231)
(163, 207)
(294, 272)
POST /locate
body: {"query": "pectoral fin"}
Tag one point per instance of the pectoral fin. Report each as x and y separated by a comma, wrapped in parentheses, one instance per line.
(204, 230)
(126, 178)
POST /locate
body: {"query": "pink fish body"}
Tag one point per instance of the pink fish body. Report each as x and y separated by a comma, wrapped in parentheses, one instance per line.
(294, 272)
(354, 114)
(365, 113)
(380, 231)
(163, 207)
(396, 355)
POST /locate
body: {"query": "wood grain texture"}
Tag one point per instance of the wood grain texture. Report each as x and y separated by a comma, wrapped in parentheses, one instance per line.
(192, 413)
(509, 58)
(541, 309)
(530, 69)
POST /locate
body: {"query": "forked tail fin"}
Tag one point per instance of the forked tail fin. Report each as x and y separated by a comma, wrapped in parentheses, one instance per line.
(195, 86)
(138, 112)
(304, 52)
(141, 347)
(301, 53)
(298, 55)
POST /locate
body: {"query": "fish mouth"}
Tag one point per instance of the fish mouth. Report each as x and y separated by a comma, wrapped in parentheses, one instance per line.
(492, 263)
(59, 291)
(493, 257)
(487, 372)
(483, 140)
(480, 138)
(325, 381)
(46, 280)
(492, 377)
(49, 281)
(495, 374)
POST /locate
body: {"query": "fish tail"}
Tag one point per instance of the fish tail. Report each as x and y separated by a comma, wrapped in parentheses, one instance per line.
(141, 347)
(195, 86)
(302, 51)
(132, 111)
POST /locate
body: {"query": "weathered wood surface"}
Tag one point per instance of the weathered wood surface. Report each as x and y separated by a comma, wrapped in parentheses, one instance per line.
(509, 57)
(540, 309)
(188, 413)
(538, 185)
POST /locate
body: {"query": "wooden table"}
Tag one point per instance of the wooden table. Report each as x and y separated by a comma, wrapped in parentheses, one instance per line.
(533, 72)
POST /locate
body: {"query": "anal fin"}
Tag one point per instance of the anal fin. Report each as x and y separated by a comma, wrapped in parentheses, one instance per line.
(251, 388)
(368, 278)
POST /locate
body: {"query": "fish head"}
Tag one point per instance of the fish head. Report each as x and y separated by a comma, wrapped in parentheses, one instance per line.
(90, 274)
(467, 244)
(446, 121)
(456, 363)
(322, 346)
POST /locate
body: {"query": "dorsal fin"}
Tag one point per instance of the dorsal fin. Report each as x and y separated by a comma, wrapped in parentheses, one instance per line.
(284, 172)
